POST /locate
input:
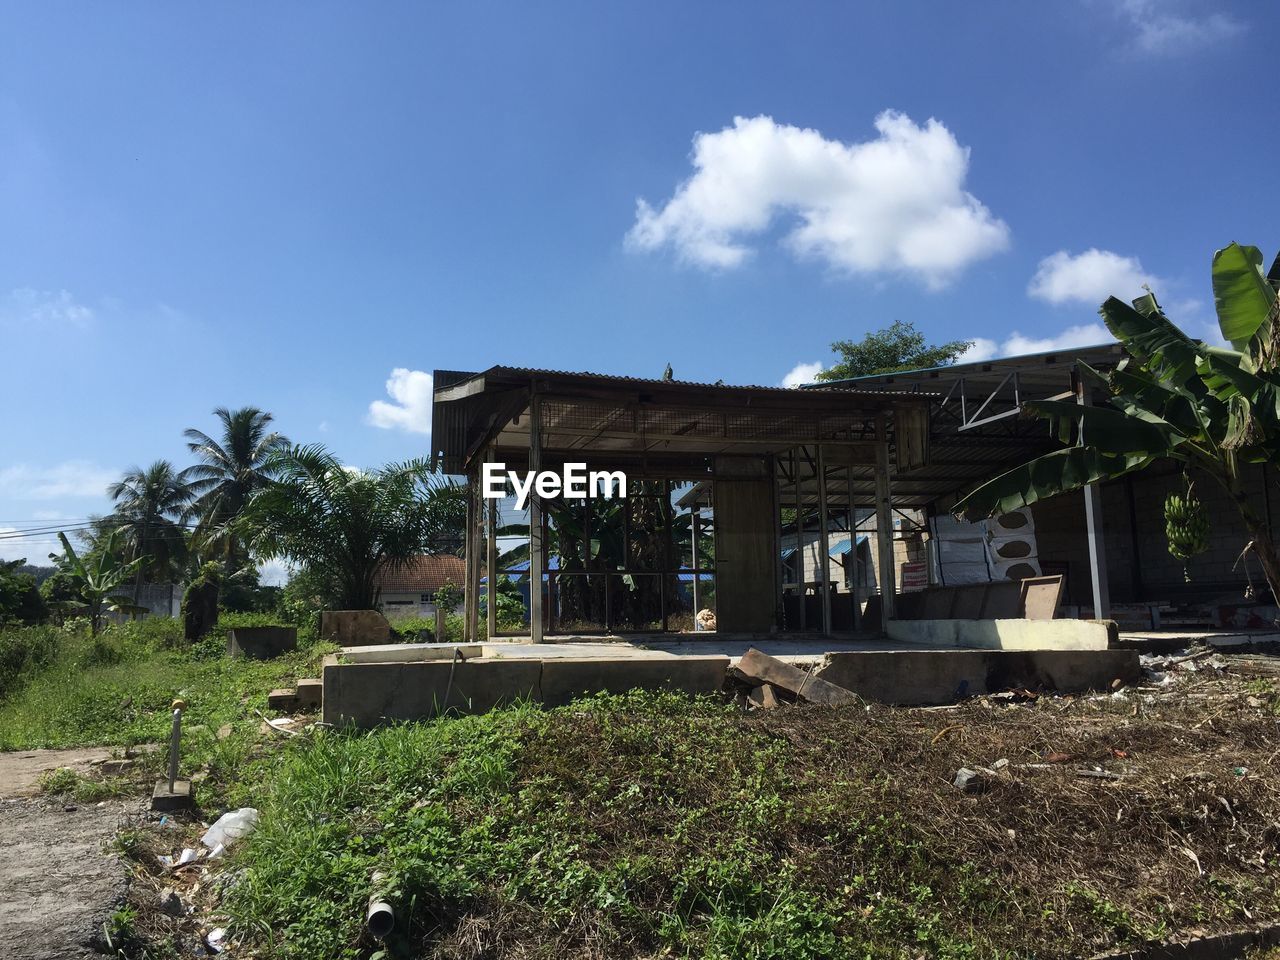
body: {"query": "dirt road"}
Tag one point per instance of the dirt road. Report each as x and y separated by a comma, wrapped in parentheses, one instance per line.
(59, 880)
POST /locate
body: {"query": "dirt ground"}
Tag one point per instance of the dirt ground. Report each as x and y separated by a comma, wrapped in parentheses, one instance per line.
(20, 771)
(59, 880)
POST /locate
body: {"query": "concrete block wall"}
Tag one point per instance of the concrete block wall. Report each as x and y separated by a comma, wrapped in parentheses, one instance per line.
(1142, 568)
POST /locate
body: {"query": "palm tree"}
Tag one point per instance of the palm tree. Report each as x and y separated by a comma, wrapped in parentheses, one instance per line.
(352, 524)
(230, 472)
(148, 503)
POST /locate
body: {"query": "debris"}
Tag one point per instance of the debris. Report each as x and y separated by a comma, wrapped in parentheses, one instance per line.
(224, 731)
(230, 827)
(379, 918)
(758, 668)
(706, 619)
(765, 695)
(969, 781)
(1000, 764)
(945, 730)
(214, 939)
(169, 902)
(1056, 757)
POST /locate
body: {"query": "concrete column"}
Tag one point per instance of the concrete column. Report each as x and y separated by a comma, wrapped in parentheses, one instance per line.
(824, 542)
(491, 567)
(852, 556)
(536, 546)
(795, 476)
(1093, 529)
(884, 522)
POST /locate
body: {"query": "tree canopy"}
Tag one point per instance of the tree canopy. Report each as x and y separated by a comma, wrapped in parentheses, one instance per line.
(899, 346)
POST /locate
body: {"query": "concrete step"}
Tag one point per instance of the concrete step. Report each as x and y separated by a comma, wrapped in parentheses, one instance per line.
(310, 692)
(282, 699)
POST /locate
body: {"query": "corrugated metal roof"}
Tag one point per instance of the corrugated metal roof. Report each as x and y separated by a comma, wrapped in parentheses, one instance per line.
(532, 372)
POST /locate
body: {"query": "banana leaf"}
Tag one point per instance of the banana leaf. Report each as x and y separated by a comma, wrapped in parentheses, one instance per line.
(1160, 346)
(1241, 293)
(1048, 476)
(1106, 428)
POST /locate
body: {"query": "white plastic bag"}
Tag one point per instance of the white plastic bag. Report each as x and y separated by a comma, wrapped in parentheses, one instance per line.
(230, 827)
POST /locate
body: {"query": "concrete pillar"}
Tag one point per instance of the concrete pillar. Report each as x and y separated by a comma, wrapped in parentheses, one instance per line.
(884, 522)
(824, 542)
(536, 546)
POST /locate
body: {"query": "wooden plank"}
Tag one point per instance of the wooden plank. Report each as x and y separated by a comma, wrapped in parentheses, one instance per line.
(758, 668)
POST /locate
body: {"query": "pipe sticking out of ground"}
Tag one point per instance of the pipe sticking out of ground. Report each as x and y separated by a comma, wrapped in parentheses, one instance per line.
(379, 918)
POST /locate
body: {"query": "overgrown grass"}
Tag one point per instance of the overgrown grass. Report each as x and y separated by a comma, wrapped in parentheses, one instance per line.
(647, 825)
(24, 652)
(116, 688)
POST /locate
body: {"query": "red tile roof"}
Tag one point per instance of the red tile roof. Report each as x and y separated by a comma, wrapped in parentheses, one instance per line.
(425, 574)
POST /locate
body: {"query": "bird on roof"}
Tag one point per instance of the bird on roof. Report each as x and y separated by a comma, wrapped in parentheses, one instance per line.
(667, 373)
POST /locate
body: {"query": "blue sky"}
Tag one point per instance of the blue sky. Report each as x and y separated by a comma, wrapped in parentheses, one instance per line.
(283, 204)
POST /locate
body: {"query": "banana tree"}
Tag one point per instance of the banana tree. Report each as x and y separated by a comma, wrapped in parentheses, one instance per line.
(1172, 398)
(100, 576)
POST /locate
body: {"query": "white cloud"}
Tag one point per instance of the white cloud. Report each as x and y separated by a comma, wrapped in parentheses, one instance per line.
(1018, 344)
(44, 308)
(892, 205)
(801, 373)
(1160, 30)
(411, 410)
(33, 549)
(74, 478)
(1088, 277)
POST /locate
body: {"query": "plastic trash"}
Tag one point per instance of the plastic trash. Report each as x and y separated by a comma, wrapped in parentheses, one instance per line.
(230, 827)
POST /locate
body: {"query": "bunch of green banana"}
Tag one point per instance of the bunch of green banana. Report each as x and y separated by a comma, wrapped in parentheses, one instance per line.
(1186, 524)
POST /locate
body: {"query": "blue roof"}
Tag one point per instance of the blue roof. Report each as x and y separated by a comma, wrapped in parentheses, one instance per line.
(843, 547)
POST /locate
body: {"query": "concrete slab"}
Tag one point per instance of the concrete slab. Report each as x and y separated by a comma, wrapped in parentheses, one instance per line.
(181, 797)
(929, 677)
(1006, 634)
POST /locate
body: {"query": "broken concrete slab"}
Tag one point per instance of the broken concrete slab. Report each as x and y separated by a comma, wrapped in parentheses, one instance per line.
(756, 668)
(309, 692)
(765, 696)
(282, 699)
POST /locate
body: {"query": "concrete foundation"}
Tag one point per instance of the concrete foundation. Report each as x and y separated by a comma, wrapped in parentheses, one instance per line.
(929, 677)
(1006, 634)
(378, 690)
(261, 643)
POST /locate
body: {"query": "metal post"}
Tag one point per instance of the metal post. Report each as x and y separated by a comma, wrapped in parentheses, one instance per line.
(779, 575)
(853, 552)
(175, 741)
(694, 524)
(468, 562)
(824, 542)
(536, 559)
(1093, 527)
(884, 523)
(474, 533)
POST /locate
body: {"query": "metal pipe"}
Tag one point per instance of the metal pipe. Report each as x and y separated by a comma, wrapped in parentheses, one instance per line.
(175, 740)
(379, 918)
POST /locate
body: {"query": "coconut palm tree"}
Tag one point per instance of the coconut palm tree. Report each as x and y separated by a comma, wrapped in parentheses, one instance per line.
(149, 504)
(229, 472)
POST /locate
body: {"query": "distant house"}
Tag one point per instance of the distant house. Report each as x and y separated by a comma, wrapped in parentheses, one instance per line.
(410, 591)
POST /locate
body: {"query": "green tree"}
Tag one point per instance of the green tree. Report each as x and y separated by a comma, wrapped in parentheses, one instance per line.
(148, 505)
(20, 598)
(100, 577)
(1174, 398)
(351, 523)
(899, 346)
(228, 473)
